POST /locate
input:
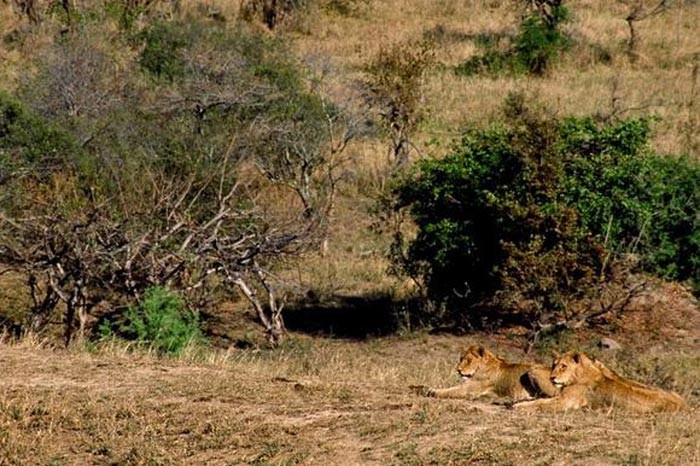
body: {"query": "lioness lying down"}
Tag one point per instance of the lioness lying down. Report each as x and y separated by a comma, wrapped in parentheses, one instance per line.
(483, 373)
(589, 383)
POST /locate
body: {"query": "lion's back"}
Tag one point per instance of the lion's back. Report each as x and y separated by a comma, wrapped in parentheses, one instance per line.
(620, 391)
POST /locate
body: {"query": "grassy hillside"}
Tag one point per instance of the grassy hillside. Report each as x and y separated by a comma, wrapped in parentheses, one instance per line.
(336, 40)
(337, 391)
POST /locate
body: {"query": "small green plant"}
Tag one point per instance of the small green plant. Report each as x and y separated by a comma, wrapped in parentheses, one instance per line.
(538, 42)
(161, 321)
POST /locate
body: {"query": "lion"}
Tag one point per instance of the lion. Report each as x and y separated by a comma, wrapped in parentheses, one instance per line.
(588, 383)
(483, 373)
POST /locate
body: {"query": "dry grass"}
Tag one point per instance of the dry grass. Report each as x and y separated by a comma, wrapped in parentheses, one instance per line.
(328, 402)
(659, 83)
(340, 402)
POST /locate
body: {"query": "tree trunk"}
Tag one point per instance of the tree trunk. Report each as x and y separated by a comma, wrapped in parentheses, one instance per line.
(632, 44)
(271, 318)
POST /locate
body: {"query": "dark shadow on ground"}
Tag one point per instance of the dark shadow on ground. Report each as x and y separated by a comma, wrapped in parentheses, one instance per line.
(362, 317)
(350, 316)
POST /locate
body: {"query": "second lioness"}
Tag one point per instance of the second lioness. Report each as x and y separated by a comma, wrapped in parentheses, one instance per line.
(483, 373)
(588, 383)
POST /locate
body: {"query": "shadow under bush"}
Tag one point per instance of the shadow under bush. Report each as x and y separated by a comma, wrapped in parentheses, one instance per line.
(358, 317)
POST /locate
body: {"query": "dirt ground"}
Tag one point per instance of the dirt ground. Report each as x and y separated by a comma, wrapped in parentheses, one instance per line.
(316, 402)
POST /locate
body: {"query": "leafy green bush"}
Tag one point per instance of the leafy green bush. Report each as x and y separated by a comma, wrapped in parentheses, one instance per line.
(632, 199)
(160, 321)
(161, 55)
(538, 42)
(29, 142)
(524, 215)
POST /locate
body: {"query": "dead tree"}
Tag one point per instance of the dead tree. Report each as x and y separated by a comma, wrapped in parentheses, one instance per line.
(639, 11)
(81, 260)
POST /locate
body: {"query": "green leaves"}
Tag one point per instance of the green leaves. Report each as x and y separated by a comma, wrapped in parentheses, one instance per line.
(537, 44)
(526, 213)
(161, 321)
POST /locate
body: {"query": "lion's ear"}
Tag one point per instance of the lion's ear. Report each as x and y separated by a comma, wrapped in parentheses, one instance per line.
(481, 350)
(577, 357)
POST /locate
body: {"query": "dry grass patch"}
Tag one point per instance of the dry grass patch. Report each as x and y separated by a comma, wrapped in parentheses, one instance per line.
(310, 402)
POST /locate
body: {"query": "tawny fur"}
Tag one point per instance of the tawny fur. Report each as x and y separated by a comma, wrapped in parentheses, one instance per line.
(590, 384)
(483, 374)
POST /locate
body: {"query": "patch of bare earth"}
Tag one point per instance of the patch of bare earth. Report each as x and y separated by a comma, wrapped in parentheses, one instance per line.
(317, 402)
(667, 313)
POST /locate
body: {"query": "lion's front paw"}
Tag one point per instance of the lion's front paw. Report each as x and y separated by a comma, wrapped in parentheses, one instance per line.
(524, 405)
(422, 390)
(509, 404)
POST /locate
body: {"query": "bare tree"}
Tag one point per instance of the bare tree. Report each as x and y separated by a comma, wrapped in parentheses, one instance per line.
(81, 258)
(639, 11)
(173, 195)
(78, 83)
(394, 87)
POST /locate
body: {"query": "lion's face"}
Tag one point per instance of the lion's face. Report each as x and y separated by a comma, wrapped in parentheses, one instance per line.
(566, 368)
(474, 359)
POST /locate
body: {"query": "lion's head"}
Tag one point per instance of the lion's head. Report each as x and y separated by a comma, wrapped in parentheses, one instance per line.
(570, 368)
(475, 358)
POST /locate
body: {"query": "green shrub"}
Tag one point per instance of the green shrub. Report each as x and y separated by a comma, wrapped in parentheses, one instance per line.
(161, 55)
(538, 42)
(633, 199)
(523, 215)
(490, 222)
(28, 141)
(160, 321)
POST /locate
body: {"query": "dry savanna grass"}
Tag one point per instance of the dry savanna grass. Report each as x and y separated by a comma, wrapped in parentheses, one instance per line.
(322, 401)
(310, 402)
